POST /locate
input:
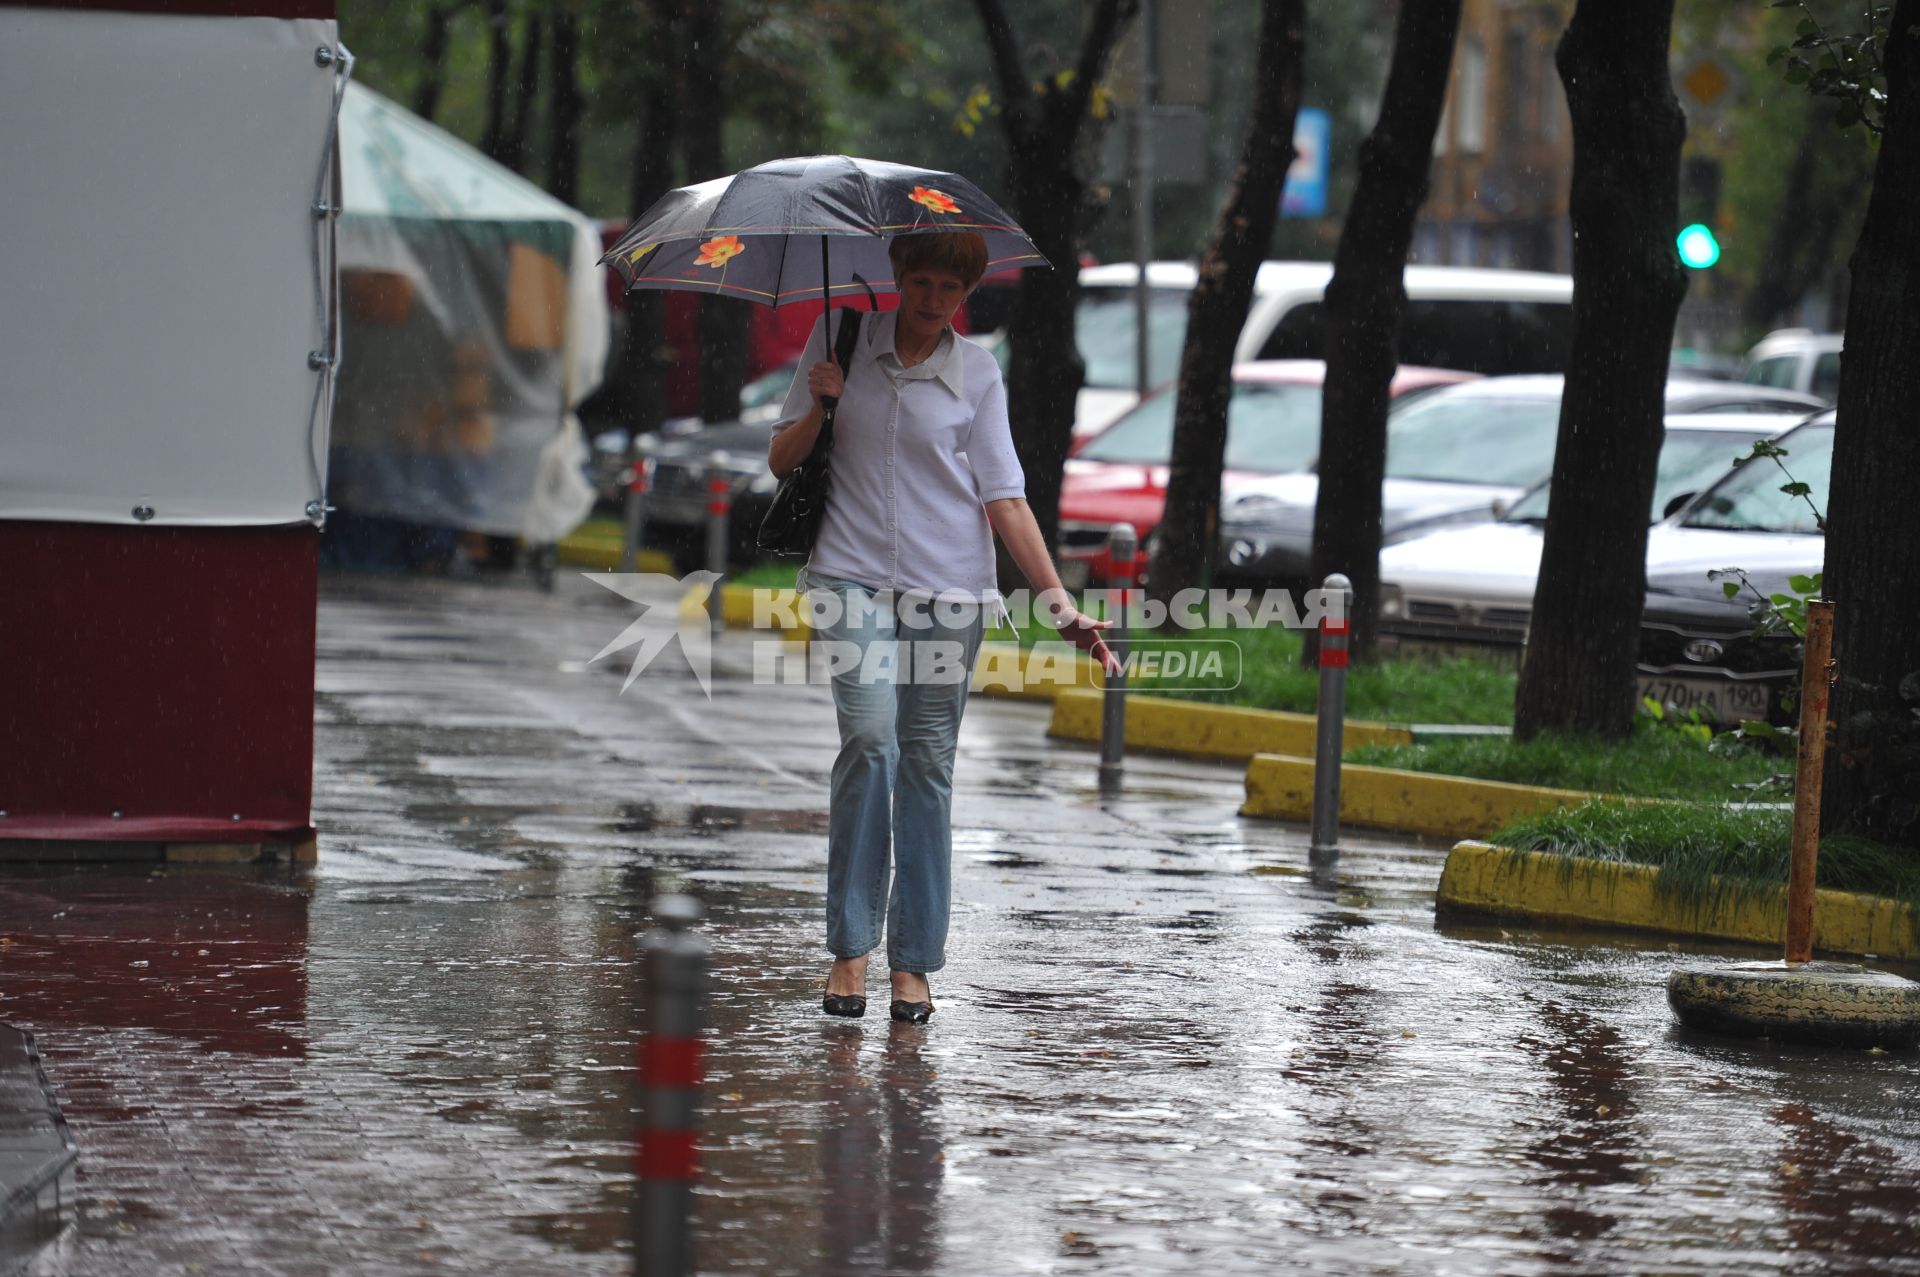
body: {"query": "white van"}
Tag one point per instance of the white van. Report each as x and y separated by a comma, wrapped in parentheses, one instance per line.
(1797, 359)
(1484, 321)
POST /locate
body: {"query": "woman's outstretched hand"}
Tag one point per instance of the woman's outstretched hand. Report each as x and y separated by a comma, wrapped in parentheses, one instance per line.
(1083, 632)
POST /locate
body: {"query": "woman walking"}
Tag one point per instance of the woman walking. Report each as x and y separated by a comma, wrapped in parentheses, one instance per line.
(924, 475)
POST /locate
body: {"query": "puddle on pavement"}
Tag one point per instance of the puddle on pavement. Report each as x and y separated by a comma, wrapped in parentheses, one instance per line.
(707, 818)
(1113, 1088)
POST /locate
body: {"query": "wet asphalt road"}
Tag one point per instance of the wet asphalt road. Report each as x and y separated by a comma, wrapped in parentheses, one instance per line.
(1162, 1044)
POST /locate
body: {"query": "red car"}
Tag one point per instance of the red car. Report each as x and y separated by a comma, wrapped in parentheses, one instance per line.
(1120, 474)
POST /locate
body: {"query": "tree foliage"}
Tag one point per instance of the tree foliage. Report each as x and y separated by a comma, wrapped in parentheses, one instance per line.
(1847, 66)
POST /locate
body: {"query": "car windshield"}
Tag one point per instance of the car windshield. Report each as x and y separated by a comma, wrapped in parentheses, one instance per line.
(769, 387)
(1468, 438)
(1272, 428)
(1750, 500)
(1104, 328)
(1689, 461)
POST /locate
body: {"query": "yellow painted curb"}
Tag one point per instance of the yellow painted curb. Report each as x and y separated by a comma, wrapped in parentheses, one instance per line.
(1281, 787)
(1036, 673)
(590, 547)
(753, 607)
(1207, 731)
(1542, 887)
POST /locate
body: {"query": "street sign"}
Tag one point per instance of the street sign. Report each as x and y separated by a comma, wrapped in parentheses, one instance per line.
(1707, 84)
(1305, 194)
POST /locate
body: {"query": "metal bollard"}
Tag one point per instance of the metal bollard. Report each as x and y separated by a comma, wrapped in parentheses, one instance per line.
(1329, 729)
(671, 1069)
(640, 473)
(719, 510)
(1121, 545)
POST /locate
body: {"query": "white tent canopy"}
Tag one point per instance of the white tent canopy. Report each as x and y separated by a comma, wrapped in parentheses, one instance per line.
(475, 319)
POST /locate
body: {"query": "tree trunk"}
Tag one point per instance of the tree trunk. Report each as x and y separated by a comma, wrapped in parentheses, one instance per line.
(1365, 301)
(433, 59)
(499, 71)
(722, 321)
(513, 151)
(1578, 675)
(1873, 526)
(1046, 130)
(641, 363)
(564, 108)
(1217, 310)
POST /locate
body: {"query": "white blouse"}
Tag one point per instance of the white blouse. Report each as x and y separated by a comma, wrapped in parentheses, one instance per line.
(917, 454)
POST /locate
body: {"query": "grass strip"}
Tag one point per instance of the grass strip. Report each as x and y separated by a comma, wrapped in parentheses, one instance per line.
(1459, 691)
(1714, 854)
(1649, 764)
(767, 576)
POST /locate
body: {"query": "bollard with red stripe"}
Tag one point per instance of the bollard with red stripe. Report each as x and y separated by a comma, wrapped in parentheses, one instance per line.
(1121, 546)
(671, 1063)
(719, 512)
(1329, 729)
(639, 476)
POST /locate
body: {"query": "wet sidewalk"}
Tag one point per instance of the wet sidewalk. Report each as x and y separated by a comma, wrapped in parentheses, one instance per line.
(1162, 1046)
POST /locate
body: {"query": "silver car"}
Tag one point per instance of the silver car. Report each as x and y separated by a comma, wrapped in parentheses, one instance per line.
(1462, 454)
(1470, 588)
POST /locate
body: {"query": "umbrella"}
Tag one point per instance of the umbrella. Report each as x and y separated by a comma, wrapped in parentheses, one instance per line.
(736, 236)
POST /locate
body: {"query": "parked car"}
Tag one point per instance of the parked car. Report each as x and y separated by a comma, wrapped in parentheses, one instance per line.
(612, 459)
(1484, 321)
(1462, 454)
(678, 470)
(1797, 359)
(1698, 649)
(1470, 587)
(1120, 475)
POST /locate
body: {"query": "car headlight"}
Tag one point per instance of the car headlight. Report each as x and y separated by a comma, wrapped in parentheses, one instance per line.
(1393, 603)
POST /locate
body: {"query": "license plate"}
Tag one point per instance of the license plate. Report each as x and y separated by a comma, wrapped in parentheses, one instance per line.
(1720, 700)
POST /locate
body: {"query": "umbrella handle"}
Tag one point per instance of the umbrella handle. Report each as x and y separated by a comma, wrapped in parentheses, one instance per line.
(827, 402)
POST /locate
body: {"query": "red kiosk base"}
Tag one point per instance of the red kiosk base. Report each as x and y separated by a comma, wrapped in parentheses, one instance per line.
(156, 691)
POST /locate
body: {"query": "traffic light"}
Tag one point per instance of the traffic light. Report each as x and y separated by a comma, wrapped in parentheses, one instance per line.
(1698, 247)
(1697, 242)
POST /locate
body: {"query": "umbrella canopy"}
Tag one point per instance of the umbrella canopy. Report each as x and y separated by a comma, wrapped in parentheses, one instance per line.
(737, 235)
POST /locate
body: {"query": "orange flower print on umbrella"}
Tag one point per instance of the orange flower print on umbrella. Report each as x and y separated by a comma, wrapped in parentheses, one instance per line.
(720, 250)
(938, 201)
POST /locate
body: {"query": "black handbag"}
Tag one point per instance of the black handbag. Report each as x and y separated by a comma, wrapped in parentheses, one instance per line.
(792, 522)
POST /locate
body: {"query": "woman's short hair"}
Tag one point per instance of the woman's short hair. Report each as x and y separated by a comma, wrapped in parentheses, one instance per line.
(962, 253)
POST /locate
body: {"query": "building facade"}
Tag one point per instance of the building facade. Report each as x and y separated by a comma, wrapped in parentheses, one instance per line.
(1503, 155)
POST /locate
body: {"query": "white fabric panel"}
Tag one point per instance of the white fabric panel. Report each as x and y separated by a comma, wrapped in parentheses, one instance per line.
(157, 279)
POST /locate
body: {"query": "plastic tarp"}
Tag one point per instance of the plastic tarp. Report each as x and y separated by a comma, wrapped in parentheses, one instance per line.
(157, 314)
(474, 318)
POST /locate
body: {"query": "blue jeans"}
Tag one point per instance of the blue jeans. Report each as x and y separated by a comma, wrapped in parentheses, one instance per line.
(901, 672)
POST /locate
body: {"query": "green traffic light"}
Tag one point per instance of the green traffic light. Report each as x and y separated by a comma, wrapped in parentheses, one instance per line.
(1698, 248)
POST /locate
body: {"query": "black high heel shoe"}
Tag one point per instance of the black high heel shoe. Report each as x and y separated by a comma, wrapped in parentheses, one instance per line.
(910, 1012)
(850, 1005)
